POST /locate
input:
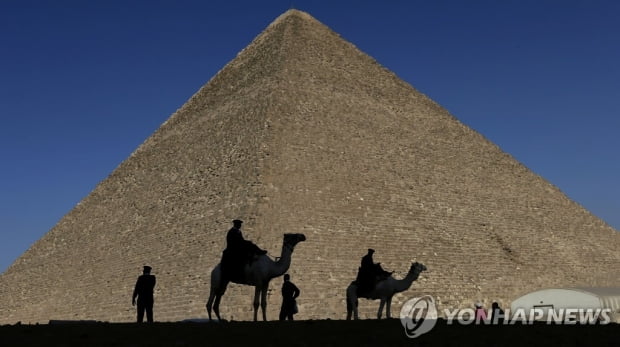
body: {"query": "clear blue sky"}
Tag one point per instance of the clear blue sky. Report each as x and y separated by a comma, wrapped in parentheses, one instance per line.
(83, 83)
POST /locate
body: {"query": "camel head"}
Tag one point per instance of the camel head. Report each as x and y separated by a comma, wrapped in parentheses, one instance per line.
(417, 268)
(293, 239)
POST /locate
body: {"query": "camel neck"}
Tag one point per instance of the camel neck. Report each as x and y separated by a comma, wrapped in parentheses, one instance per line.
(405, 283)
(282, 265)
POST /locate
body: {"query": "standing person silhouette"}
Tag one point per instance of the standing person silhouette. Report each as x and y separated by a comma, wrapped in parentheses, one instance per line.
(480, 313)
(497, 314)
(144, 292)
(290, 292)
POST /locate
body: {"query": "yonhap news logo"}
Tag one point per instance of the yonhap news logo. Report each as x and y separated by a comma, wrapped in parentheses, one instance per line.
(418, 316)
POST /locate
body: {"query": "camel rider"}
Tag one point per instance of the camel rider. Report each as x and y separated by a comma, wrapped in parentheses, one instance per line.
(368, 263)
(234, 237)
(235, 241)
(370, 273)
(238, 251)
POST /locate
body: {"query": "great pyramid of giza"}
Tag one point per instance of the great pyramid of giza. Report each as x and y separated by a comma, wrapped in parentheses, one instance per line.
(302, 132)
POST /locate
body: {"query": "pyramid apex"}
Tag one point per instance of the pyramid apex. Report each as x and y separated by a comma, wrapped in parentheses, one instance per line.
(293, 13)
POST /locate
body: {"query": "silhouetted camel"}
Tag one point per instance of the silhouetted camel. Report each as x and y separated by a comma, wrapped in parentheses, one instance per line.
(383, 290)
(258, 274)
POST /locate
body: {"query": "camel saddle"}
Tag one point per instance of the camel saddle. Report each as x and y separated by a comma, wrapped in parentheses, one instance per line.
(233, 263)
(366, 281)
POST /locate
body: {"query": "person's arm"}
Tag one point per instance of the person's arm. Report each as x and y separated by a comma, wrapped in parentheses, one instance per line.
(295, 291)
(135, 293)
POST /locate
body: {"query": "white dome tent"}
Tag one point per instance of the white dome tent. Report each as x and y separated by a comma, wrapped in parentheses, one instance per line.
(559, 299)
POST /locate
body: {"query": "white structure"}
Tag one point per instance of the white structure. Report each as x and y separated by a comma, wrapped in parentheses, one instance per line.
(571, 298)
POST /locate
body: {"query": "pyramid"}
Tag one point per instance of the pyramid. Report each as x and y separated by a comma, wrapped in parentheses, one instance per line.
(302, 132)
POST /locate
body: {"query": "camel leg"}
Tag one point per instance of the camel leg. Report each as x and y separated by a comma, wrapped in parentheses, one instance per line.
(256, 301)
(263, 301)
(388, 305)
(210, 303)
(214, 299)
(349, 308)
(216, 307)
(380, 308)
(217, 290)
(351, 298)
(352, 306)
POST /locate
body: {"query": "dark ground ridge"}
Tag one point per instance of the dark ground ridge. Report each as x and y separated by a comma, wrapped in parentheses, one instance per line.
(303, 333)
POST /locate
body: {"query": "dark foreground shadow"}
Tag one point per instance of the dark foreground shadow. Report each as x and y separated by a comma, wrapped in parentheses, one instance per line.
(303, 333)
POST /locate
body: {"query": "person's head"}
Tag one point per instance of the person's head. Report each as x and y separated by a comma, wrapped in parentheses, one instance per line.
(287, 277)
(146, 270)
(371, 251)
(495, 305)
(237, 223)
